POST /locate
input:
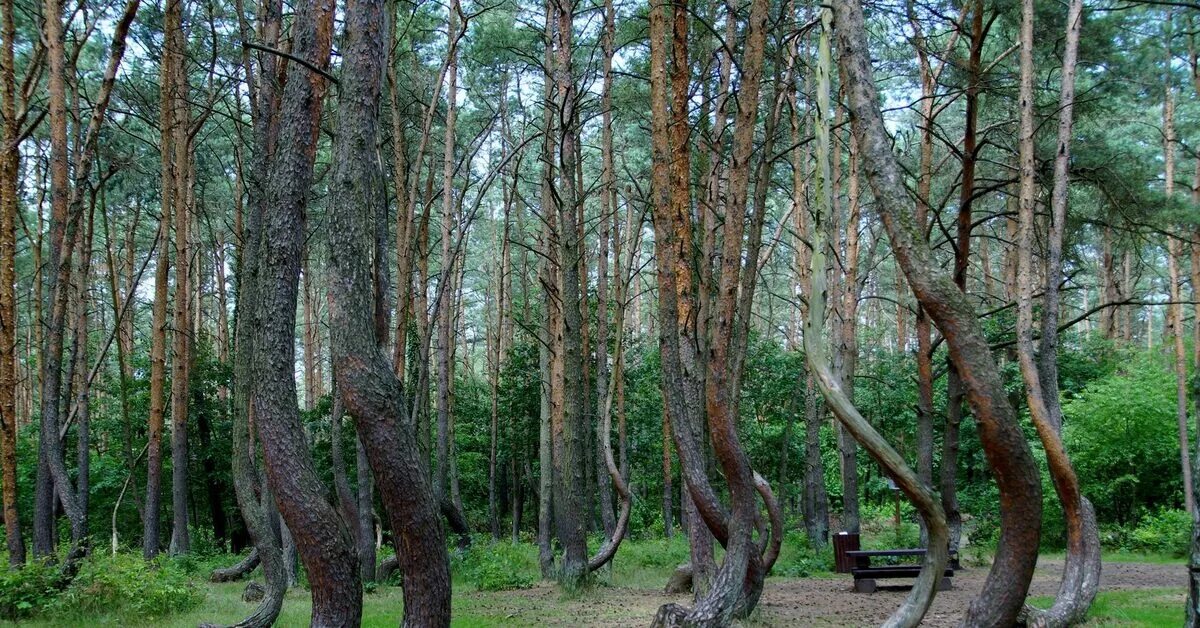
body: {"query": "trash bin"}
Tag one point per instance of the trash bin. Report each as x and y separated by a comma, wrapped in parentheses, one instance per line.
(844, 542)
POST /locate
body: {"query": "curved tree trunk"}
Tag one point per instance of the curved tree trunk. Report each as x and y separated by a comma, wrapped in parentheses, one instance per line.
(366, 381)
(253, 496)
(1004, 445)
(1081, 573)
(236, 571)
(832, 387)
(321, 537)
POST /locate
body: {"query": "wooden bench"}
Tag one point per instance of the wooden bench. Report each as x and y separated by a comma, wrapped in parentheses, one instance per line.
(865, 574)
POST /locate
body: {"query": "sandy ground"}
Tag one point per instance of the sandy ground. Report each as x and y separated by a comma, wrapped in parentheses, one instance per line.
(799, 602)
(830, 602)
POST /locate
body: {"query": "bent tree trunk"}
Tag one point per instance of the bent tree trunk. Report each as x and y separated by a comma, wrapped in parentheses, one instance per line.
(1081, 573)
(321, 537)
(1004, 445)
(252, 494)
(918, 491)
(366, 381)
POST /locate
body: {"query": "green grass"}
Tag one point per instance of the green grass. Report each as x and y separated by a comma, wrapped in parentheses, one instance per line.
(1141, 607)
(624, 594)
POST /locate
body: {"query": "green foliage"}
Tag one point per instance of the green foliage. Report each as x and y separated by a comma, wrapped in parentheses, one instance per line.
(797, 559)
(1123, 438)
(497, 566)
(1165, 531)
(660, 552)
(123, 585)
(25, 592)
(127, 583)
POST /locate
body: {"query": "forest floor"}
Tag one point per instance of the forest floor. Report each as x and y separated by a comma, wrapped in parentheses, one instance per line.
(1132, 594)
(1135, 591)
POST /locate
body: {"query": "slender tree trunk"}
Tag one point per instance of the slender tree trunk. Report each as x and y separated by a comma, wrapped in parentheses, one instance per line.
(158, 353)
(1174, 254)
(181, 351)
(10, 167)
(833, 387)
(1081, 574)
(66, 215)
(1004, 446)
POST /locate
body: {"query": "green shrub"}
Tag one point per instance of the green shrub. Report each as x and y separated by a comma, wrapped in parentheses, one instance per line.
(798, 560)
(497, 566)
(123, 585)
(1124, 441)
(126, 584)
(1167, 531)
(27, 591)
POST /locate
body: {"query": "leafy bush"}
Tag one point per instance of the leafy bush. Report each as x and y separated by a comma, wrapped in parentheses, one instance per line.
(1167, 531)
(127, 584)
(124, 585)
(497, 566)
(798, 560)
(27, 591)
(1123, 438)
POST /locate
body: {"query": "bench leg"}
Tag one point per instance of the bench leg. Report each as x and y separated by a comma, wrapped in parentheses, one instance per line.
(866, 585)
(945, 584)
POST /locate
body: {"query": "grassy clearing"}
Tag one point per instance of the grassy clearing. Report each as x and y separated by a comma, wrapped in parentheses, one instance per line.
(1150, 608)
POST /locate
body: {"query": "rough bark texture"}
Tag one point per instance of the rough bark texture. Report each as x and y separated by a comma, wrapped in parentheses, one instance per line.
(570, 432)
(1004, 446)
(321, 537)
(737, 584)
(175, 93)
(368, 386)
(10, 165)
(253, 495)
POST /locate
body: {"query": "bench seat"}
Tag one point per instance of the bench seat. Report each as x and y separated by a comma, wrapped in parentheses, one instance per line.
(865, 577)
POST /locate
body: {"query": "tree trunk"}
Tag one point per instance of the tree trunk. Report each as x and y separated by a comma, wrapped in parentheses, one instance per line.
(10, 169)
(366, 381)
(1081, 574)
(66, 214)
(1004, 446)
(833, 387)
(320, 535)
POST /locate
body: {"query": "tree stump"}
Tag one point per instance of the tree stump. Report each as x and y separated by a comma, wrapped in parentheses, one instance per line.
(680, 581)
(254, 592)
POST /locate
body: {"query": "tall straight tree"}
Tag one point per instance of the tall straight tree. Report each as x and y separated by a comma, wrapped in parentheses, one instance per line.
(10, 170)
(569, 430)
(178, 163)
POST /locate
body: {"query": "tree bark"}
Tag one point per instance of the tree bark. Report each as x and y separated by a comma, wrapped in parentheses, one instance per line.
(1004, 446)
(1081, 574)
(66, 214)
(833, 387)
(10, 168)
(320, 535)
(366, 381)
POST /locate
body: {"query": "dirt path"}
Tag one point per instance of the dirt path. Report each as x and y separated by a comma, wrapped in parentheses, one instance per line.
(829, 602)
(795, 602)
